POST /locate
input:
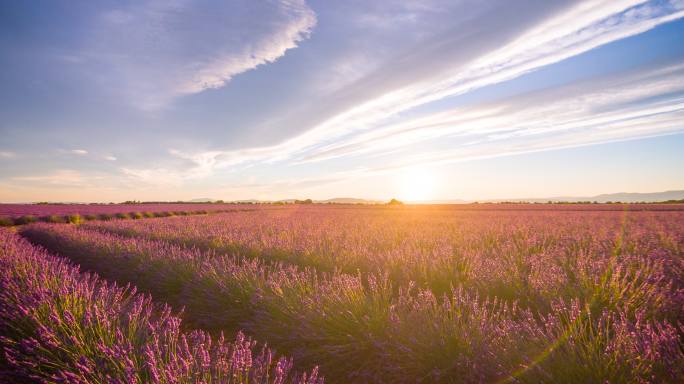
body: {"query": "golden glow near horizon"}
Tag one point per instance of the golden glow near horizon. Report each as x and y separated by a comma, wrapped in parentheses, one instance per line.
(416, 184)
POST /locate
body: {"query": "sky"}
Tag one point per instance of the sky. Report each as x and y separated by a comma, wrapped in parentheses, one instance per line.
(422, 100)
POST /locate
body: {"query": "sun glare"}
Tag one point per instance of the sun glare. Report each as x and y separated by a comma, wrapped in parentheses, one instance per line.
(416, 184)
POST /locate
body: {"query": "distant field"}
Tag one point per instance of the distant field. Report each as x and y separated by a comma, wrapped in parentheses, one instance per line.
(355, 294)
(20, 214)
(16, 210)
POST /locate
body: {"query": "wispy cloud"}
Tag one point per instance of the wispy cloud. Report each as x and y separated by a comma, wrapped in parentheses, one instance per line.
(74, 151)
(631, 105)
(156, 176)
(58, 178)
(568, 32)
(366, 113)
(7, 154)
(577, 30)
(155, 51)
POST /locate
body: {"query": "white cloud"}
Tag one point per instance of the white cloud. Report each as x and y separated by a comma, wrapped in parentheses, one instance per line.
(110, 158)
(634, 105)
(158, 176)
(7, 154)
(75, 151)
(59, 178)
(577, 30)
(155, 51)
(203, 163)
(566, 33)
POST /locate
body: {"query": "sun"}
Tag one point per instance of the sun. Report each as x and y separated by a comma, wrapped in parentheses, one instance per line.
(416, 184)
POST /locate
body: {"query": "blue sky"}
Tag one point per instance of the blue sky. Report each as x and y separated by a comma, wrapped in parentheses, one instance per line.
(169, 100)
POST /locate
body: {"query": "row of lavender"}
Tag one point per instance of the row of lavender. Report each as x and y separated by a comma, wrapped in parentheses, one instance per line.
(21, 214)
(590, 297)
(17, 210)
(59, 325)
(531, 257)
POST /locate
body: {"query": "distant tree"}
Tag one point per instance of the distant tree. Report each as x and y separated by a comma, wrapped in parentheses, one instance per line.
(395, 202)
(74, 219)
(307, 201)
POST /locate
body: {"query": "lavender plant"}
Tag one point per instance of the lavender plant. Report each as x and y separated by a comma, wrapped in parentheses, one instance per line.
(59, 325)
(499, 296)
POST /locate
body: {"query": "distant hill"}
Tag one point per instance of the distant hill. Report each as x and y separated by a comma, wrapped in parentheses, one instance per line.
(645, 197)
(623, 197)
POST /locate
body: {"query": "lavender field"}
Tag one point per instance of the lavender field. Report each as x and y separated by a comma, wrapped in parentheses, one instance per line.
(19, 214)
(342, 192)
(349, 294)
